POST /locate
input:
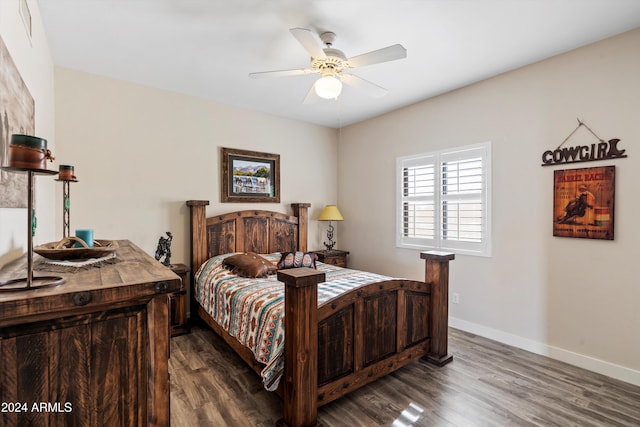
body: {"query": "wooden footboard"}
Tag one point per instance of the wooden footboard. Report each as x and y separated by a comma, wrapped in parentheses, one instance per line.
(370, 332)
(360, 336)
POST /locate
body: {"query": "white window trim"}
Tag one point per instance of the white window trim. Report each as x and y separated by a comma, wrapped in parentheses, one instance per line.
(463, 248)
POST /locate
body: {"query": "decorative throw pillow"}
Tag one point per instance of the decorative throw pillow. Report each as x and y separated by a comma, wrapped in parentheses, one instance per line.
(297, 259)
(250, 264)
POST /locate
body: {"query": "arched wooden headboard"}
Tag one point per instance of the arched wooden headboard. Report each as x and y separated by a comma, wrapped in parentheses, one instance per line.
(257, 231)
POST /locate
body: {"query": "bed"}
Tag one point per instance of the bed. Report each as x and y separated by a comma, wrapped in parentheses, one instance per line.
(333, 344)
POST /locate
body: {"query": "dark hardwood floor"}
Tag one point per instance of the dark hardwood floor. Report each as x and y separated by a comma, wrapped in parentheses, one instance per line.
(487, 384)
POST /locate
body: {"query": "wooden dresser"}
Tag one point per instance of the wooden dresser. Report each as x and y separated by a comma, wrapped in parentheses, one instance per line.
(90, 352)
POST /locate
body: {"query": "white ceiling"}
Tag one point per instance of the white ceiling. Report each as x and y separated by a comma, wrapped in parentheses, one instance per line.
(207, 48)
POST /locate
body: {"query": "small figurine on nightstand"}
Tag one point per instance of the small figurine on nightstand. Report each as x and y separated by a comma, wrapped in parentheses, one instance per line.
(164, 249)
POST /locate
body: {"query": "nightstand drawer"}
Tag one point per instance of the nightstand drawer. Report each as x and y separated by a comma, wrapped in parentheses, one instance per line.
(333, 257)
(339, 261)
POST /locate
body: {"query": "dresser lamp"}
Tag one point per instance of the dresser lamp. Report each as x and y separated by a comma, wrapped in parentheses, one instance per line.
(330, 213)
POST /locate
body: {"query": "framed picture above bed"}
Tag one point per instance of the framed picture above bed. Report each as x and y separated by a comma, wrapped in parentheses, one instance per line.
(250, 176)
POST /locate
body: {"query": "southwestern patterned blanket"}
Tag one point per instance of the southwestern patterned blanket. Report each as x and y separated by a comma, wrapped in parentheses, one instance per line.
(252, 310)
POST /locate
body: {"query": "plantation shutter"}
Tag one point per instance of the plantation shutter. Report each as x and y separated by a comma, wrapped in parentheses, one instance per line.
(444, 200)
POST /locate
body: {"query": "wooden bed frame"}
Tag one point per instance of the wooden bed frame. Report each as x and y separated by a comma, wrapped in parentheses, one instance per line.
(345, 343)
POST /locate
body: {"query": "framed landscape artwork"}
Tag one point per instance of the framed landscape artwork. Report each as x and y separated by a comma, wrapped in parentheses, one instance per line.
(583, 202)
(17, 115)
(250, 176)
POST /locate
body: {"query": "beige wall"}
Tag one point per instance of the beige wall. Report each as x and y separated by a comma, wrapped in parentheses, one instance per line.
(33, 60)
(574, 299)
(139, 153)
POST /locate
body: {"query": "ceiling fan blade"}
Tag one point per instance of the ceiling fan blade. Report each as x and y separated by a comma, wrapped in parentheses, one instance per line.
(281, 73)
(311, 96)
(366, 86)
(309, 41)
(389, 53)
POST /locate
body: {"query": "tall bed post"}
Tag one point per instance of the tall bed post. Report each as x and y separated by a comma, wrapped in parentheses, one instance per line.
(199, 246)
(300, 347)
(437, 275)
(301, 210)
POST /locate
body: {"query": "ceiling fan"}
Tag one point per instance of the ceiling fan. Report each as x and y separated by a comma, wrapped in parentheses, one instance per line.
(332, 63)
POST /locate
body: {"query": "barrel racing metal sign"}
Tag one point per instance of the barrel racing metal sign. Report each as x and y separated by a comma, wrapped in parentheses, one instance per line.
(583, 202)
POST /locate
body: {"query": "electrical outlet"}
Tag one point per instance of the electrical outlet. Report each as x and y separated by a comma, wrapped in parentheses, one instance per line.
(455, 298)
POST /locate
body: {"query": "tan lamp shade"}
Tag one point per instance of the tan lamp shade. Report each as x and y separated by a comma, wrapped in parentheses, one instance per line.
(330, 213)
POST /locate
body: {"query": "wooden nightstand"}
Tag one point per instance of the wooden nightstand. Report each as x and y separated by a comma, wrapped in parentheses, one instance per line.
(178, 303)
(333, 257)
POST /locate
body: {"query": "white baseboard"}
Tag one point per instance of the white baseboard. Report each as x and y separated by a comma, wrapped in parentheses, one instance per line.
(622, 373)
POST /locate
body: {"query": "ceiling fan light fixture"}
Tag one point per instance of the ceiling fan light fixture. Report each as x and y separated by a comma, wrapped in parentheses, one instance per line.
(332, 63)
(328, 87)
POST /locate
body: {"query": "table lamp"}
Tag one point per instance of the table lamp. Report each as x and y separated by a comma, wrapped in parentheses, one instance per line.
(330, 213)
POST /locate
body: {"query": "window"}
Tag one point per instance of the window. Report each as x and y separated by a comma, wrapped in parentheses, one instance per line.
(444, 200)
